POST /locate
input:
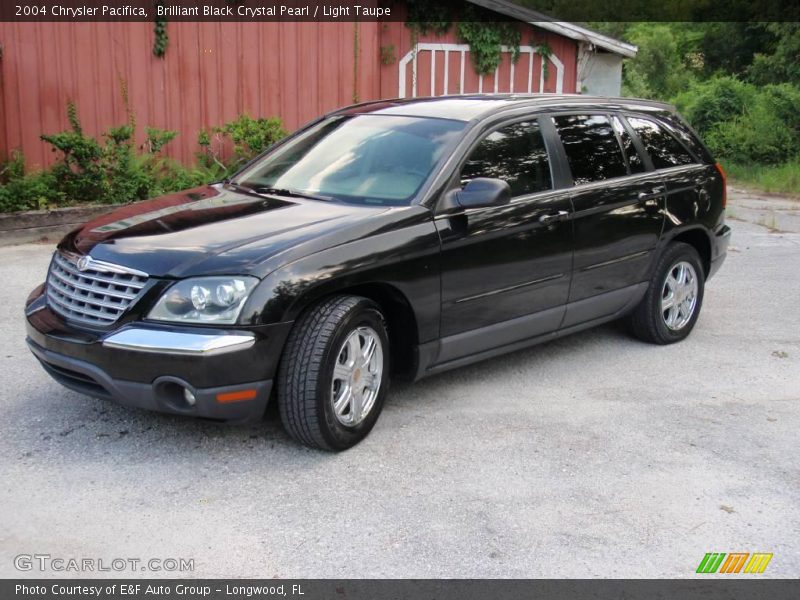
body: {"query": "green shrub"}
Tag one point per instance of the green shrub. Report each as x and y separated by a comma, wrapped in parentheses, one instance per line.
(251, 136)
(158, 138)
(247, 137)
(168, 176)
(758, 136)
(113, 170)
(25, 191)
(92, 172)
(714, 101)
(742, 122)
(78, 174)
(784, 102)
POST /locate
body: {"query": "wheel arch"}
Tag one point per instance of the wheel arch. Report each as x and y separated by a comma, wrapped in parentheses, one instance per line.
(401, 322)
(401, 319)
(699, 239)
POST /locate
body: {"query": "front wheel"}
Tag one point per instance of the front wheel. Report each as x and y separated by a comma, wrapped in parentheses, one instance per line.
(334, 374)
(669, 309)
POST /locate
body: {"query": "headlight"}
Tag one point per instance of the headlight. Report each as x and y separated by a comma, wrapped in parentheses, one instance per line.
(204, 300)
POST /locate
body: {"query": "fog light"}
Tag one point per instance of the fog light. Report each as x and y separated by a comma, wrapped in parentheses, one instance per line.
(189, 397)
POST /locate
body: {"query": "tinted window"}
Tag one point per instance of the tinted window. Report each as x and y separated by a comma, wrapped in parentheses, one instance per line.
(366, 159)
(635, 163)
(688, 137)
(592, 148)
(664, 150)
(515, 154)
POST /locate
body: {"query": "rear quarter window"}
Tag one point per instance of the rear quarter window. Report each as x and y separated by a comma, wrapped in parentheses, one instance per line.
(664, 149)
(685, 134)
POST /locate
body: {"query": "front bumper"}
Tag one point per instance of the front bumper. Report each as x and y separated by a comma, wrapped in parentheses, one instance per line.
(227, 372)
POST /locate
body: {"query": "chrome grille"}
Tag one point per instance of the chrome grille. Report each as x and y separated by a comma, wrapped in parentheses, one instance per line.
(96, 294)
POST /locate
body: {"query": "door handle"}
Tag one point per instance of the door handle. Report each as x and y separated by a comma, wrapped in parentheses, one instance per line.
(554, 217)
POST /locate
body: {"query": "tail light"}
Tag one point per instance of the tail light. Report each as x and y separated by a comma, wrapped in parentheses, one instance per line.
(724, 184)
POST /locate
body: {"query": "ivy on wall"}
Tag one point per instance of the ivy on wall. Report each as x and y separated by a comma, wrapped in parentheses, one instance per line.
(356, 51)
(161, 39)
(486, 40)
(388, 56)
(476, 27)
(545, 51)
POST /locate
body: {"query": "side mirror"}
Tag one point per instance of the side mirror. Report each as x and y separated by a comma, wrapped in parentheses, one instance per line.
(480, 192)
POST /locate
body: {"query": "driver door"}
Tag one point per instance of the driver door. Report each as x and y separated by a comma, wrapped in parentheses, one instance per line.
(506, 269)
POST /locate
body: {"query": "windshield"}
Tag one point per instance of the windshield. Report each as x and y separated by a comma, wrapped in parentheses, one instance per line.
(366, 159)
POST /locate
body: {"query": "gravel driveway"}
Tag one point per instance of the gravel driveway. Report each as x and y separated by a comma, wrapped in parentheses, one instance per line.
(592, 456)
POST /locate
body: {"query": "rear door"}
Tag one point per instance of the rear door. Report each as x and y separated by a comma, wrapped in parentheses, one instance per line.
(619, 214)
(505, 269)
(691, 180)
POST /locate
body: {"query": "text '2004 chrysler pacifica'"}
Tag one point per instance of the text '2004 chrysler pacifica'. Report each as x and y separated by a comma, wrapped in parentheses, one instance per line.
(389, 239)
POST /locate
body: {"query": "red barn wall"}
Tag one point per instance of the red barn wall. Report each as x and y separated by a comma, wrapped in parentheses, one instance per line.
(210, 74)
(214, 71)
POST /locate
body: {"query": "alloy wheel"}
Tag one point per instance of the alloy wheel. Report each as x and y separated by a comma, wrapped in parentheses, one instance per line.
(357, 376)
(679, 295)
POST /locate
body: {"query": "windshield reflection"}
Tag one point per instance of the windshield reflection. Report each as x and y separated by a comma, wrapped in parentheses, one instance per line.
(364, 159)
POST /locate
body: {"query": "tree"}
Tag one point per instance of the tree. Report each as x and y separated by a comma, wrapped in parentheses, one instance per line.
(664, 65)
(781, 64)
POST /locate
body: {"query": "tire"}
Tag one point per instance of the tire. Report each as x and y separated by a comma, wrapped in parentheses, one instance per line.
(651, 322)
(316, 375)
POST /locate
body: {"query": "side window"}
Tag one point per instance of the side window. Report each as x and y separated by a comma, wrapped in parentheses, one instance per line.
(516, 154)
(591, 146)
(688, 137)
(635, 163)
(664, 150)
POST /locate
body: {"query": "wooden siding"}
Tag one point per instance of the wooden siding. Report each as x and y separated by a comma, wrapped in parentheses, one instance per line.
(214, 71)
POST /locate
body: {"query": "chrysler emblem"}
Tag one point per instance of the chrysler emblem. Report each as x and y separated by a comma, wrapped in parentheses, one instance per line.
(84, 262)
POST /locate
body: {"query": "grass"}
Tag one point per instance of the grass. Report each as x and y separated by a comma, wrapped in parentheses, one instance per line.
(776, 179)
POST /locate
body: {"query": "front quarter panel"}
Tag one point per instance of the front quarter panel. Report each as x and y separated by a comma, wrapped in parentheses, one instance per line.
(401, 251)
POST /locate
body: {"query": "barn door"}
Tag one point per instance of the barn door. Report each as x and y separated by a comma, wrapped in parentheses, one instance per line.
(439, 69)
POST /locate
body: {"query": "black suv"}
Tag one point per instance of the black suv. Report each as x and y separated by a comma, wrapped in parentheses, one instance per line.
(402, 238)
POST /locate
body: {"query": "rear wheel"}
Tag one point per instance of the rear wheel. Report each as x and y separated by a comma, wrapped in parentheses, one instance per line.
(334, 374)
(671, 306)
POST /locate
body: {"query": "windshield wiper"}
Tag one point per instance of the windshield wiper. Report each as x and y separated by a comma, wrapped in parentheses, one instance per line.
(274, 191)
(239, 187)
(290, 193)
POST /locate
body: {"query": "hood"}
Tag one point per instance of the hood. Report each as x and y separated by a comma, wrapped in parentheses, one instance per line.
(209, 230)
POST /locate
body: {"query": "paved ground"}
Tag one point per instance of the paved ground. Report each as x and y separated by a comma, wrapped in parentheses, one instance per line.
(592, 456)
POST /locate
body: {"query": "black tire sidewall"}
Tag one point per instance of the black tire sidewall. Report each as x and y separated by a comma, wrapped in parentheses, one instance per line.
(337, 435)
(676, 254)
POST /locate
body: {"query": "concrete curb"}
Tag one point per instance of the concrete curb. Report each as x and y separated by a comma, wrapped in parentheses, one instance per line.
(46, 225)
